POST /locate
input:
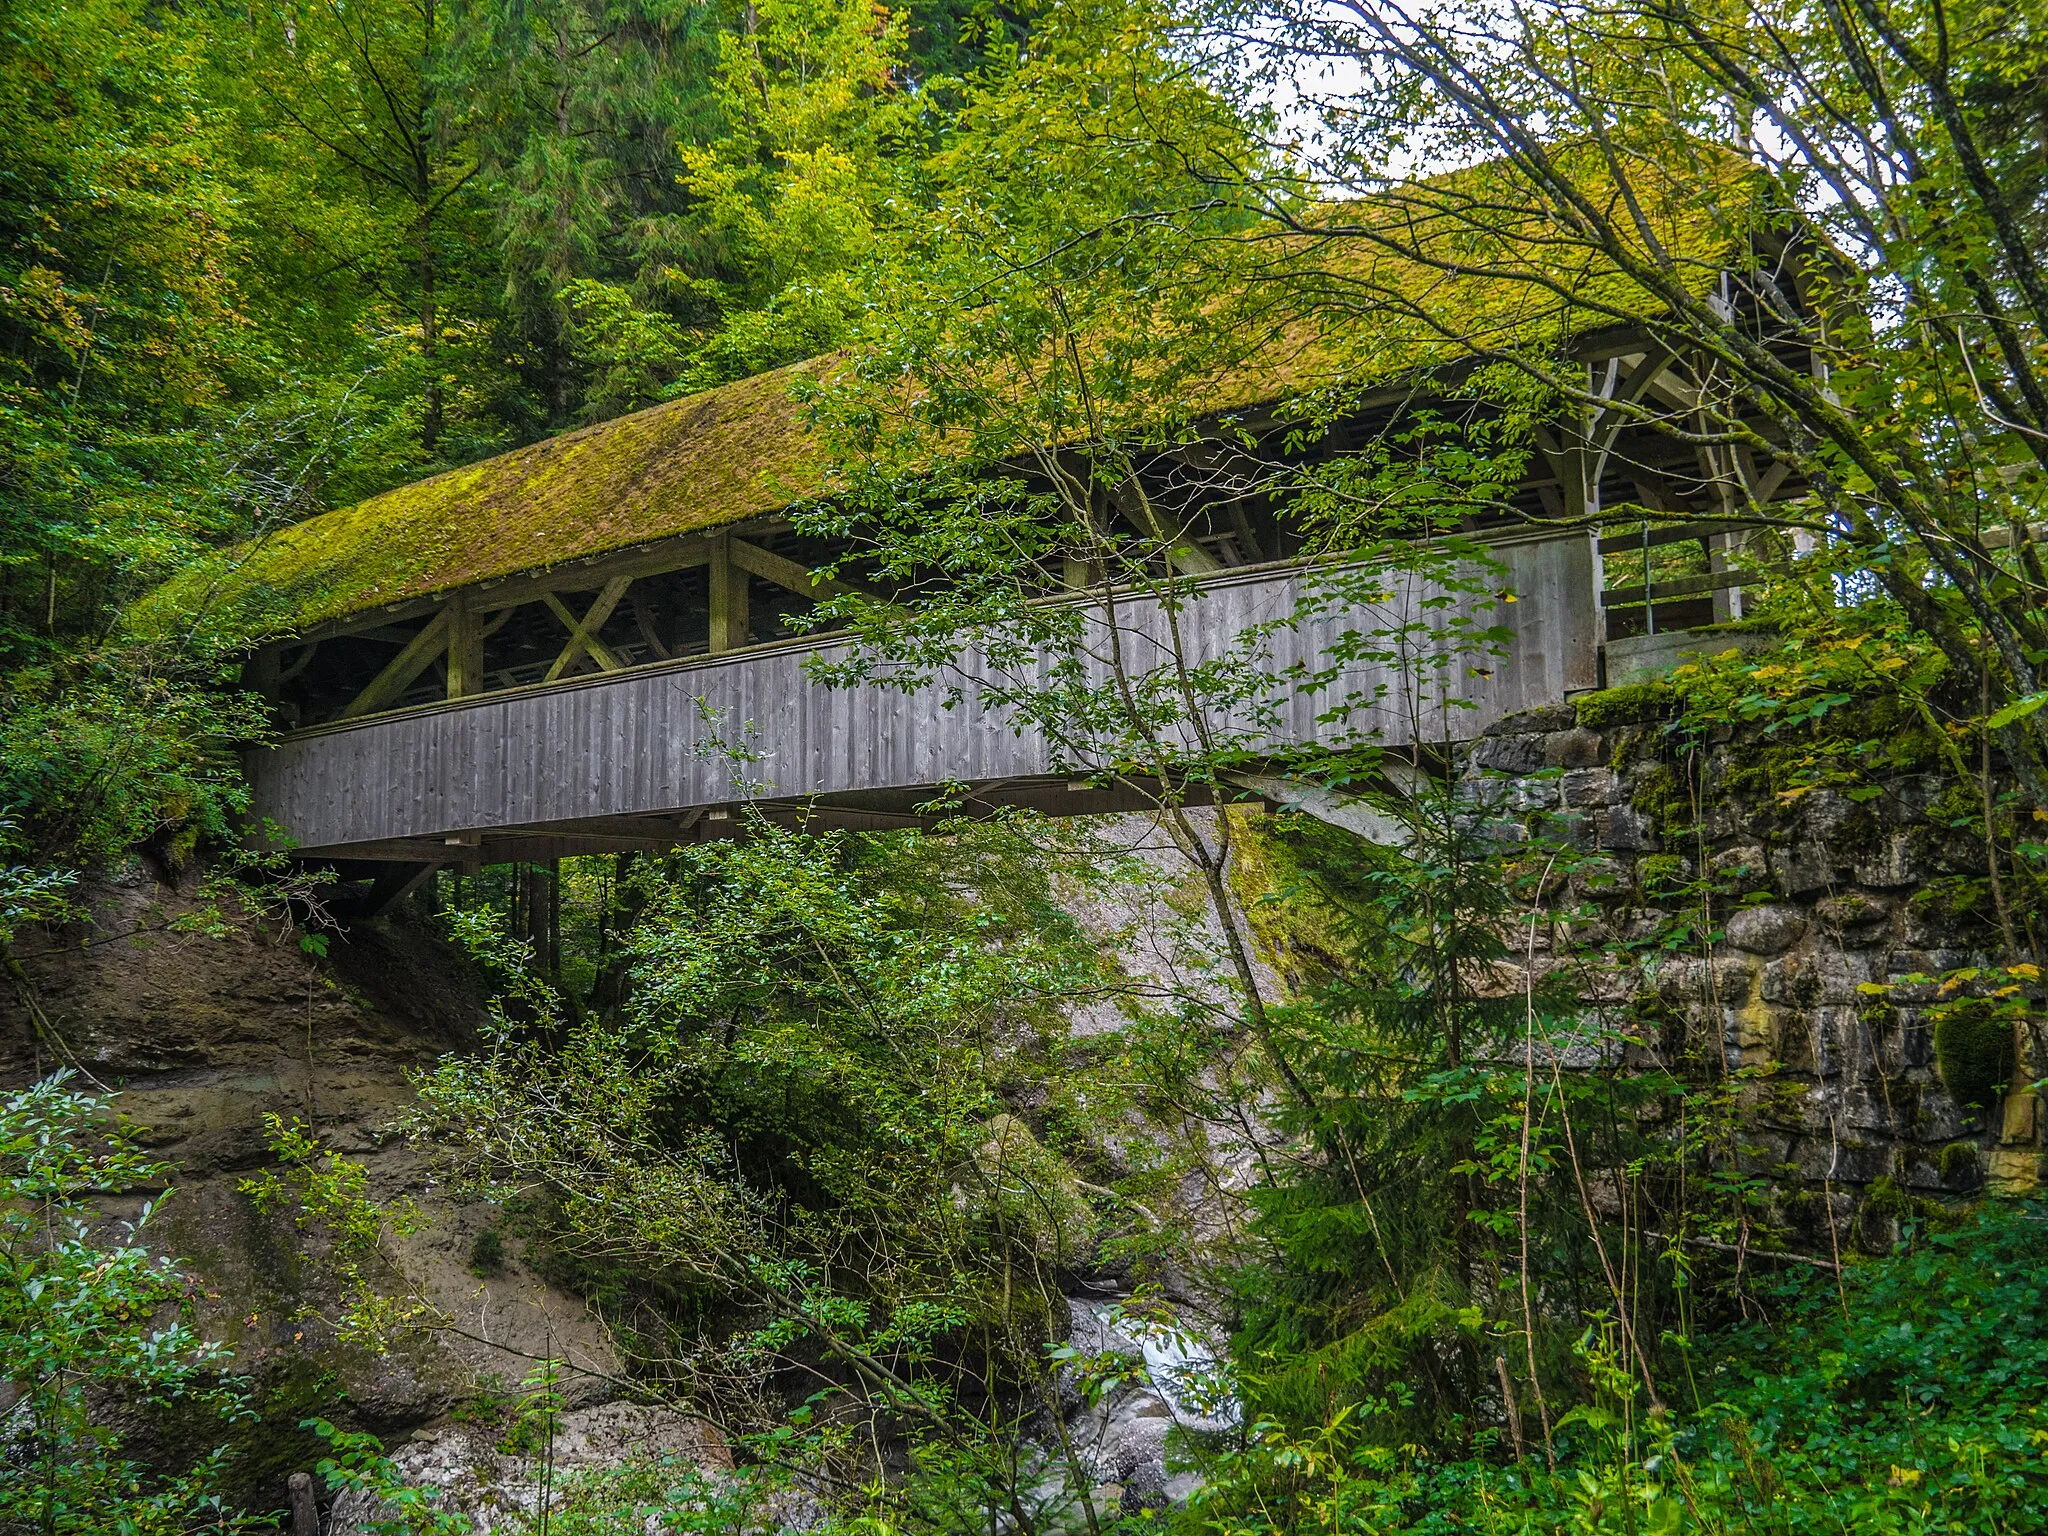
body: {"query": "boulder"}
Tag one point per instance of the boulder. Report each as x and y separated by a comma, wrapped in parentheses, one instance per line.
(1766, 930)
(467, 1469)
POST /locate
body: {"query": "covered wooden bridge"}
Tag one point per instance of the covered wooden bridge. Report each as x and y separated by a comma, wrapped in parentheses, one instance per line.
(584, 645)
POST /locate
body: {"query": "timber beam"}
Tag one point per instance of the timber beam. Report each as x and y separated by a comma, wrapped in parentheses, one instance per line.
(783, 572)
(583, 632)
(403, 669)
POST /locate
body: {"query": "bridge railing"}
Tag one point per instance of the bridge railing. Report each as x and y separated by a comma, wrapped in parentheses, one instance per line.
(652, 754)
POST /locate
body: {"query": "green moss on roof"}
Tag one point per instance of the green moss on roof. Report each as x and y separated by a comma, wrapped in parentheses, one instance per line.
(743, 451)
(720, 457)
(1463, 264)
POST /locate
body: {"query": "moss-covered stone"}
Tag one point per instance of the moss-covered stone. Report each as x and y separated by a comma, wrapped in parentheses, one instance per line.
(1973, 1049)
(1302, 884)
(1632, 747)
(1959, 1163)
(1956, 907)
(1665, 796)
(1630, 704)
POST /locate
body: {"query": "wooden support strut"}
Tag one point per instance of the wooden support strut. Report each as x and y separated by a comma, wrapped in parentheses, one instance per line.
(650, 631)
(1684, 586)
(393, 884)
(1672, 533)
(583, 631)
(465, 648)
(299, 663)
(784, 572)
(419, 653)
(455, 632)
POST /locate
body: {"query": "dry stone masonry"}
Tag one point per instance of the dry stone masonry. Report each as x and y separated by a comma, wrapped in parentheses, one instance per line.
(1792, 940)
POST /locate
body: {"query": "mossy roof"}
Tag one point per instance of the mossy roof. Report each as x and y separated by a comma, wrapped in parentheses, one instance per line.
(742, 451)
(723, 456)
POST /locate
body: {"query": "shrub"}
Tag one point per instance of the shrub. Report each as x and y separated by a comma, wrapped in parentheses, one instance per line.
(1973, 1050)
(81, 1335)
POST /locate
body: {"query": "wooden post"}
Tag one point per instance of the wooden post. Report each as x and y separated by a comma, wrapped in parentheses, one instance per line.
(262, 673)
(729, 619)
(465, 648)
(1579, 473)
(305, 1512)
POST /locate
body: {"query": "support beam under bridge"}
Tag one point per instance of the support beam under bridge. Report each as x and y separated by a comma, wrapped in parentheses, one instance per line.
(640, 759)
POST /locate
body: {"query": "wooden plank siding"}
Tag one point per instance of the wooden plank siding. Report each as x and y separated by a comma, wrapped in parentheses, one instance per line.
(627, 759)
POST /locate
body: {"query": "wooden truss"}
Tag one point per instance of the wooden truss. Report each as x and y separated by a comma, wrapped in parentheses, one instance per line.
(458, 623)
(1622, 388)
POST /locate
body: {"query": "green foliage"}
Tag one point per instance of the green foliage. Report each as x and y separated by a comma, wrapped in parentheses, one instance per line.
(96, 1331)
(356, 1463)
(1663, 877)
(1973, 1046)
(1442, 1155)
(1918, 1385)
(659, 1493)
(536, 1414)
(815, 135)
(1905, 1398)
(118, 316)
(327, 1194)
(794, 1130)
(1629, 704)
(100, 758)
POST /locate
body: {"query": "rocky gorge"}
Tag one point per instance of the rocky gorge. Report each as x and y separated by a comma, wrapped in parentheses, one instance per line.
(1804, 945)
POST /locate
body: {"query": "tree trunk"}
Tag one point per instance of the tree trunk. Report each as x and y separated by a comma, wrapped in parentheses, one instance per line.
(430, 347)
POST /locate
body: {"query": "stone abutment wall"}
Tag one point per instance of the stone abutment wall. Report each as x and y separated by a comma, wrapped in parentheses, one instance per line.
(1739, 913)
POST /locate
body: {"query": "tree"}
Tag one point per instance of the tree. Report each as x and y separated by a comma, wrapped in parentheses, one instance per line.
(581, 112)
(811, 127)
(1863, 302)
(366, 87)
(1049, 393)
(118, 316)
(785, 1161)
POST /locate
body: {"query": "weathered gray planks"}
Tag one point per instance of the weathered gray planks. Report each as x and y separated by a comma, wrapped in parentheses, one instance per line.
(638, 744)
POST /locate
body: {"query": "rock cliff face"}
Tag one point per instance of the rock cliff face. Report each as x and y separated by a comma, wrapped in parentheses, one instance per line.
(205, 1019)
(1818, 916)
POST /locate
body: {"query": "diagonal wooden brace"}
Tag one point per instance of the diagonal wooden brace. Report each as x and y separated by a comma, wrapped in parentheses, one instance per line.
(408, 664)
(783, 571)
(583, 631)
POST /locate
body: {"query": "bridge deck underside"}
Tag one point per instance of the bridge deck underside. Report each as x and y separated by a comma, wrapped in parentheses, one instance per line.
(666, 753)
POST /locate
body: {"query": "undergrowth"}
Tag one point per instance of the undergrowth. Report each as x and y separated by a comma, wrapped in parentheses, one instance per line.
(1909, 1395)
